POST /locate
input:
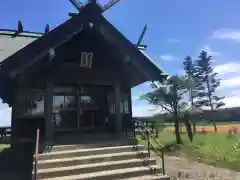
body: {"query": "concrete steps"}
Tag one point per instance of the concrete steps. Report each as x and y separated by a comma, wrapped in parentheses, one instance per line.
(148, 177)
(91, 168)
(66, 152)
(107, 163)
(110, 175)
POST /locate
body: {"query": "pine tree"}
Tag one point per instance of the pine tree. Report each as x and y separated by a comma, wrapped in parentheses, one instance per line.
(170, 98)
(206, 84)
(189, 68)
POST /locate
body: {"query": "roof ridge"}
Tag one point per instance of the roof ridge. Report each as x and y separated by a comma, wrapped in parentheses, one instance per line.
(12, 32)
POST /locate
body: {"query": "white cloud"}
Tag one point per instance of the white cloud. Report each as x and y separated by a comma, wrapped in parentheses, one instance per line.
(230, 75)
(167, 57)
(233, 101)
(227, 34)
(231, 67)
(230, 83)
(143, 110)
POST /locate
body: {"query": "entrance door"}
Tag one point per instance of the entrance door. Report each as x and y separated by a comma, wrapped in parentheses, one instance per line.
(86, 119)
(91, 112)
(79, 109)
(65, 114)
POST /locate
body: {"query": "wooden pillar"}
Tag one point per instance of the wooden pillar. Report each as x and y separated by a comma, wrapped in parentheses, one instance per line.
(15, 124)
(48, 106)
(118, 114)
(131, 123)
(48, 96)
(130, 102)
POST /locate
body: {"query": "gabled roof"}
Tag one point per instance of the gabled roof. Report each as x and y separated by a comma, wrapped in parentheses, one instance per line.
(11, 41)
(24, 49)
(64, 32)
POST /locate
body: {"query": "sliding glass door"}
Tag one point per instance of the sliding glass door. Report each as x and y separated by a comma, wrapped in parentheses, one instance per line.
(75, 109)
(65, 114)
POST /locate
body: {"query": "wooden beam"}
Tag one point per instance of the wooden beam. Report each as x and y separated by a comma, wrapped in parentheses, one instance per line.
(82, 80)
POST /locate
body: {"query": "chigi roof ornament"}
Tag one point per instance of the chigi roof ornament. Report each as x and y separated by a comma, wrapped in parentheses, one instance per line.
(20, 26)
(79, 5)
(47, 29)
(139, 44)
(19, 29)
(110, 4)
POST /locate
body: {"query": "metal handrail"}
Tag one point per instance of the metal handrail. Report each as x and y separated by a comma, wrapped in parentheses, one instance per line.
(148, 135)
(36, 155)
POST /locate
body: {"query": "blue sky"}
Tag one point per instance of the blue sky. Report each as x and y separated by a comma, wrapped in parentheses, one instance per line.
(175, 29)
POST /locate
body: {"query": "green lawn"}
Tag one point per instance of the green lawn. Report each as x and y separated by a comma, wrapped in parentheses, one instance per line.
(218, 149)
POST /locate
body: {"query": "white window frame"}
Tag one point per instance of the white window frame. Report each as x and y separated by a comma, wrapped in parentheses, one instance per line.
(86, 59)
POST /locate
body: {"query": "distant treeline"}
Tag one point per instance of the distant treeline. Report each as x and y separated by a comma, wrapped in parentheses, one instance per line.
(222, 115)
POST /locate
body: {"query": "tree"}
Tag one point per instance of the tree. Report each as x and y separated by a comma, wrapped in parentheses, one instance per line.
(169, 97)
(207, 82)
(189, 68)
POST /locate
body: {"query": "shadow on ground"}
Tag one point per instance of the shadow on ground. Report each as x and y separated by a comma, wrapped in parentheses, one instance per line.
(16, 162)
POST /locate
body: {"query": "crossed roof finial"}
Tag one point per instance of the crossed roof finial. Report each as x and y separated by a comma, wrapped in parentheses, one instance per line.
(80, 5)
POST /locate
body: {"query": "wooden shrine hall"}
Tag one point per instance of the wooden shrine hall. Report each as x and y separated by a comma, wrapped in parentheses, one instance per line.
(77, 76)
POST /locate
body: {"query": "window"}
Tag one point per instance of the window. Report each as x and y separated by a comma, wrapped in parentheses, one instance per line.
(60, 102)
(29, 103)
(86, 60)
(86, 100)
(126, 106)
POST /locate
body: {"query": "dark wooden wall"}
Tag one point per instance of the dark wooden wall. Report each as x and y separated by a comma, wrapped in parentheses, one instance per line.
(126, 113)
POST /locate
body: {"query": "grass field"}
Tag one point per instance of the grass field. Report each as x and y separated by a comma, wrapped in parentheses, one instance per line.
(218, 149)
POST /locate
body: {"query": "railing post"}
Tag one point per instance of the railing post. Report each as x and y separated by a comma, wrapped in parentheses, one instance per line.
(36, 155)
(134, 129)
(163, 163)
(148, 142)
(147, 135)
(35, 170)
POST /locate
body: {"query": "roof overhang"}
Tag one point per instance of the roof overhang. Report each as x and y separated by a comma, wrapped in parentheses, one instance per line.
(12, 41)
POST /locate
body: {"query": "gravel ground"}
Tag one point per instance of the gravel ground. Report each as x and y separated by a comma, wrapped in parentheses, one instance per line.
(180, 168)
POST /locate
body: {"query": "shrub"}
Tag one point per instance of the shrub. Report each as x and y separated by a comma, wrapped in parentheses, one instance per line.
(235, 130)
(232, 132)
